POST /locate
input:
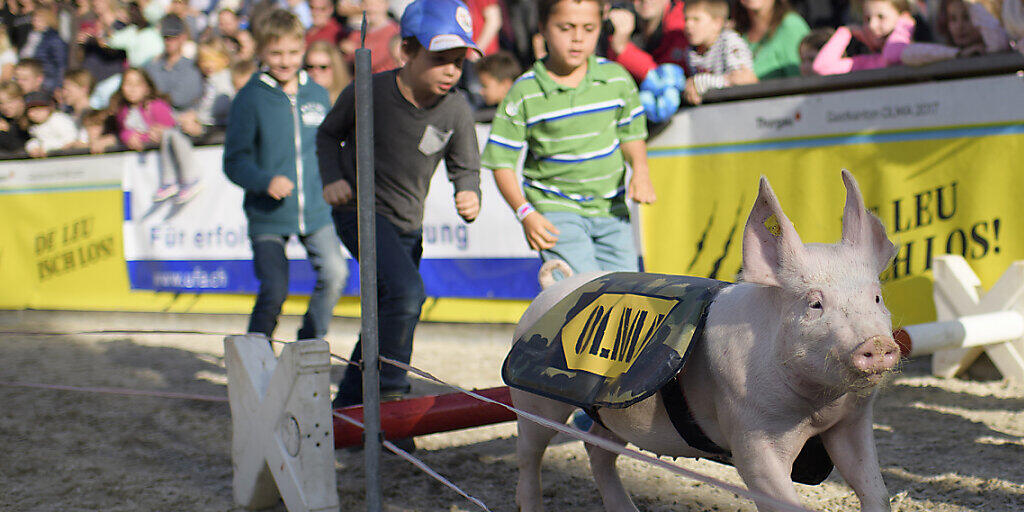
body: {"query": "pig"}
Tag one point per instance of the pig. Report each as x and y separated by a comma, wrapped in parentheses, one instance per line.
(796, 348)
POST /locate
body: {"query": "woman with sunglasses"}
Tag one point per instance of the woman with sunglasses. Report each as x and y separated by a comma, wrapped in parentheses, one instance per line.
(325, 66)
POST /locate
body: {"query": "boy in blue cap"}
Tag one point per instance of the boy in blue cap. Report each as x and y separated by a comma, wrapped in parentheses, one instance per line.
(419, 118)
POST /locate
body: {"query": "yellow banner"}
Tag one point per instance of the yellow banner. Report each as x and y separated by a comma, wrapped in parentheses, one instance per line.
(66, 252)
(935, 195)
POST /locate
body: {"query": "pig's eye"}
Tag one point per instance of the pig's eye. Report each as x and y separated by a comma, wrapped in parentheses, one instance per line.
(878, 299)
(814, 306)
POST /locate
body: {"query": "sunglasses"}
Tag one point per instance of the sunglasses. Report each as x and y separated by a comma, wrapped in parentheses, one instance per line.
(322, 67)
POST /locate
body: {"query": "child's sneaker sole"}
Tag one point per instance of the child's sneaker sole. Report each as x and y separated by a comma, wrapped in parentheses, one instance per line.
(165, 193)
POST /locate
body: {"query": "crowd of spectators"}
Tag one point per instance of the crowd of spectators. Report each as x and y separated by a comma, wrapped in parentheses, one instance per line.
(62, 62)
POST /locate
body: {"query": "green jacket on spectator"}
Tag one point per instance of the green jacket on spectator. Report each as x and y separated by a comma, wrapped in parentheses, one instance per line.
(777, 55)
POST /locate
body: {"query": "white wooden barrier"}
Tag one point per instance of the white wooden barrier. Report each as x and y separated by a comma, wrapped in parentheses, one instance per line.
(283, 429)
(972, 322)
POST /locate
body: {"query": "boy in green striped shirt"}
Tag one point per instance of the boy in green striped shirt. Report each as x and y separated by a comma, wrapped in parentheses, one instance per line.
(580, 119)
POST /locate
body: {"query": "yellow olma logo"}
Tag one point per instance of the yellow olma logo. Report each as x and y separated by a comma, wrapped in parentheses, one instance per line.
(607, 335)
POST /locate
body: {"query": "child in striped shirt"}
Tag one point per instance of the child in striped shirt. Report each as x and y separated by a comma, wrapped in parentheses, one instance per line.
(718, 57)
(580, 119)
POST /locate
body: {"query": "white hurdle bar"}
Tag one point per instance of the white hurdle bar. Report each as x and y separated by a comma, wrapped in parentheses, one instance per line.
(964, 332)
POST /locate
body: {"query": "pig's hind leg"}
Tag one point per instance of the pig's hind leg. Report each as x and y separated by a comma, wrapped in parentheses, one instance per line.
(531, 442)
(602, 466)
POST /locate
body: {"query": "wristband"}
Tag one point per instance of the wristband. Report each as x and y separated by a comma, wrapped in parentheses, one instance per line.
(524, 210)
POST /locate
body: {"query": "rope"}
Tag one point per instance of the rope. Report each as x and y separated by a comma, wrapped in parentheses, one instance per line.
(760, 498)
(116, 391)
(417, 462)
(119, 331)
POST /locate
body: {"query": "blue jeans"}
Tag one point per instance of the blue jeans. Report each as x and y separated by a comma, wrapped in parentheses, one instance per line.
(400, 298)
(590, 244)
(271, 265)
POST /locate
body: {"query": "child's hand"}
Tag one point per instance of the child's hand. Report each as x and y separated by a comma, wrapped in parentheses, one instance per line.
(4, 127)
(189, 123)
(134, 142)
(156, 133)
(690, 93)
(623, 23)
(280, 187)
(468, 205)
(540, 232)
(858, 32)
(337, 193)
(641, 189)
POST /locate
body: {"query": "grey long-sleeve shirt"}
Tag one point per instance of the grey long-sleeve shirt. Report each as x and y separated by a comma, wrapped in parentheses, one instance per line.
(409, 142)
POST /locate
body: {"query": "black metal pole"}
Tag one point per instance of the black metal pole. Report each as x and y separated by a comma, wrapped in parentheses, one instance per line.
(368, 274)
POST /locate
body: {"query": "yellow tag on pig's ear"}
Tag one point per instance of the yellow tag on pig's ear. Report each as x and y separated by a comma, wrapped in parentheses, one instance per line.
(773, 226)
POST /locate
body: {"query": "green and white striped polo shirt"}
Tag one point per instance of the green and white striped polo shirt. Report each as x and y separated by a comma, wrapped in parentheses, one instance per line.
(572, 135)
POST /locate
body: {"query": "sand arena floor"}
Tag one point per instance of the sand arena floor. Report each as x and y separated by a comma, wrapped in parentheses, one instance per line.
(944, 445)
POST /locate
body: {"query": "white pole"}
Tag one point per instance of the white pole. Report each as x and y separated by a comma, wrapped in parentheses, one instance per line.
(965, 332)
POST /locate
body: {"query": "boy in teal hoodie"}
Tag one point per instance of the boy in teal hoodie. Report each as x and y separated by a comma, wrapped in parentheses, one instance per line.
(270, 151)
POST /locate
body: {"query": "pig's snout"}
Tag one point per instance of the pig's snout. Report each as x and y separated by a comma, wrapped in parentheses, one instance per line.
(876, 355)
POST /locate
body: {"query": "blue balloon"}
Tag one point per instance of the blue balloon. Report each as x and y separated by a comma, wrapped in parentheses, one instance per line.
(672, 75)
(653, 82)
(671, 99)
(649, 103)
(662, 77)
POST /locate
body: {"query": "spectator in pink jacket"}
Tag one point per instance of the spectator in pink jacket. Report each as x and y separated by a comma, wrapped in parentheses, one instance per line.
(145, 118)
(888, 28)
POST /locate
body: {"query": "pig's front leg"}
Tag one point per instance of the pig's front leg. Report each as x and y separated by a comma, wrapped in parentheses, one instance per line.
(851, 444)
(763, 468)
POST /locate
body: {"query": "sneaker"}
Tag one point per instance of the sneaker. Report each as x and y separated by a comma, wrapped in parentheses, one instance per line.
(165, 192)
(188, 192)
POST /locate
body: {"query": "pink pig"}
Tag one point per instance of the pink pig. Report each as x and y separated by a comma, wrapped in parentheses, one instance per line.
(794, 350)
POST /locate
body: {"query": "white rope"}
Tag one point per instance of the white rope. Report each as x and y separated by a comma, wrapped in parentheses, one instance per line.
(417, 462)
(760, 498)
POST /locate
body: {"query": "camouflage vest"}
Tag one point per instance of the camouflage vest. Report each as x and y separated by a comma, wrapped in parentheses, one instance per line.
(613, 341)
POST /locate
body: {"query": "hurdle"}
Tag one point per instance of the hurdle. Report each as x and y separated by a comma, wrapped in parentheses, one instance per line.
(427, 415)
(284, 432)
(969, 322)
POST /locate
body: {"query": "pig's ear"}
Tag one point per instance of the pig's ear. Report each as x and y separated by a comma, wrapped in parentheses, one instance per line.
(770, 242)
(864, 230)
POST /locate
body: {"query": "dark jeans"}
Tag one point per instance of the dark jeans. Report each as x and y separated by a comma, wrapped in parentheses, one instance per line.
(271, 265)
(400, 297)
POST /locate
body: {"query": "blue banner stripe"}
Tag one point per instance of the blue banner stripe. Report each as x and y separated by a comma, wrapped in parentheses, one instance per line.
(127, 198)
(505, 278)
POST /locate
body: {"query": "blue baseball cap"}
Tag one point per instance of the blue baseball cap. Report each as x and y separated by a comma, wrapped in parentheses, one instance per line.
(439, 25)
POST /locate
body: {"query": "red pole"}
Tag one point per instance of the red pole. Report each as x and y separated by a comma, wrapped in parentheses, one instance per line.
(427, 415)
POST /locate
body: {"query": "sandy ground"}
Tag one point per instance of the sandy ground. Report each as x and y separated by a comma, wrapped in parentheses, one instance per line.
(945, 445)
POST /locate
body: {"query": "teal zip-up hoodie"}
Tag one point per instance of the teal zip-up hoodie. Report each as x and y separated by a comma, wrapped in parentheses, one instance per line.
(270, 134)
